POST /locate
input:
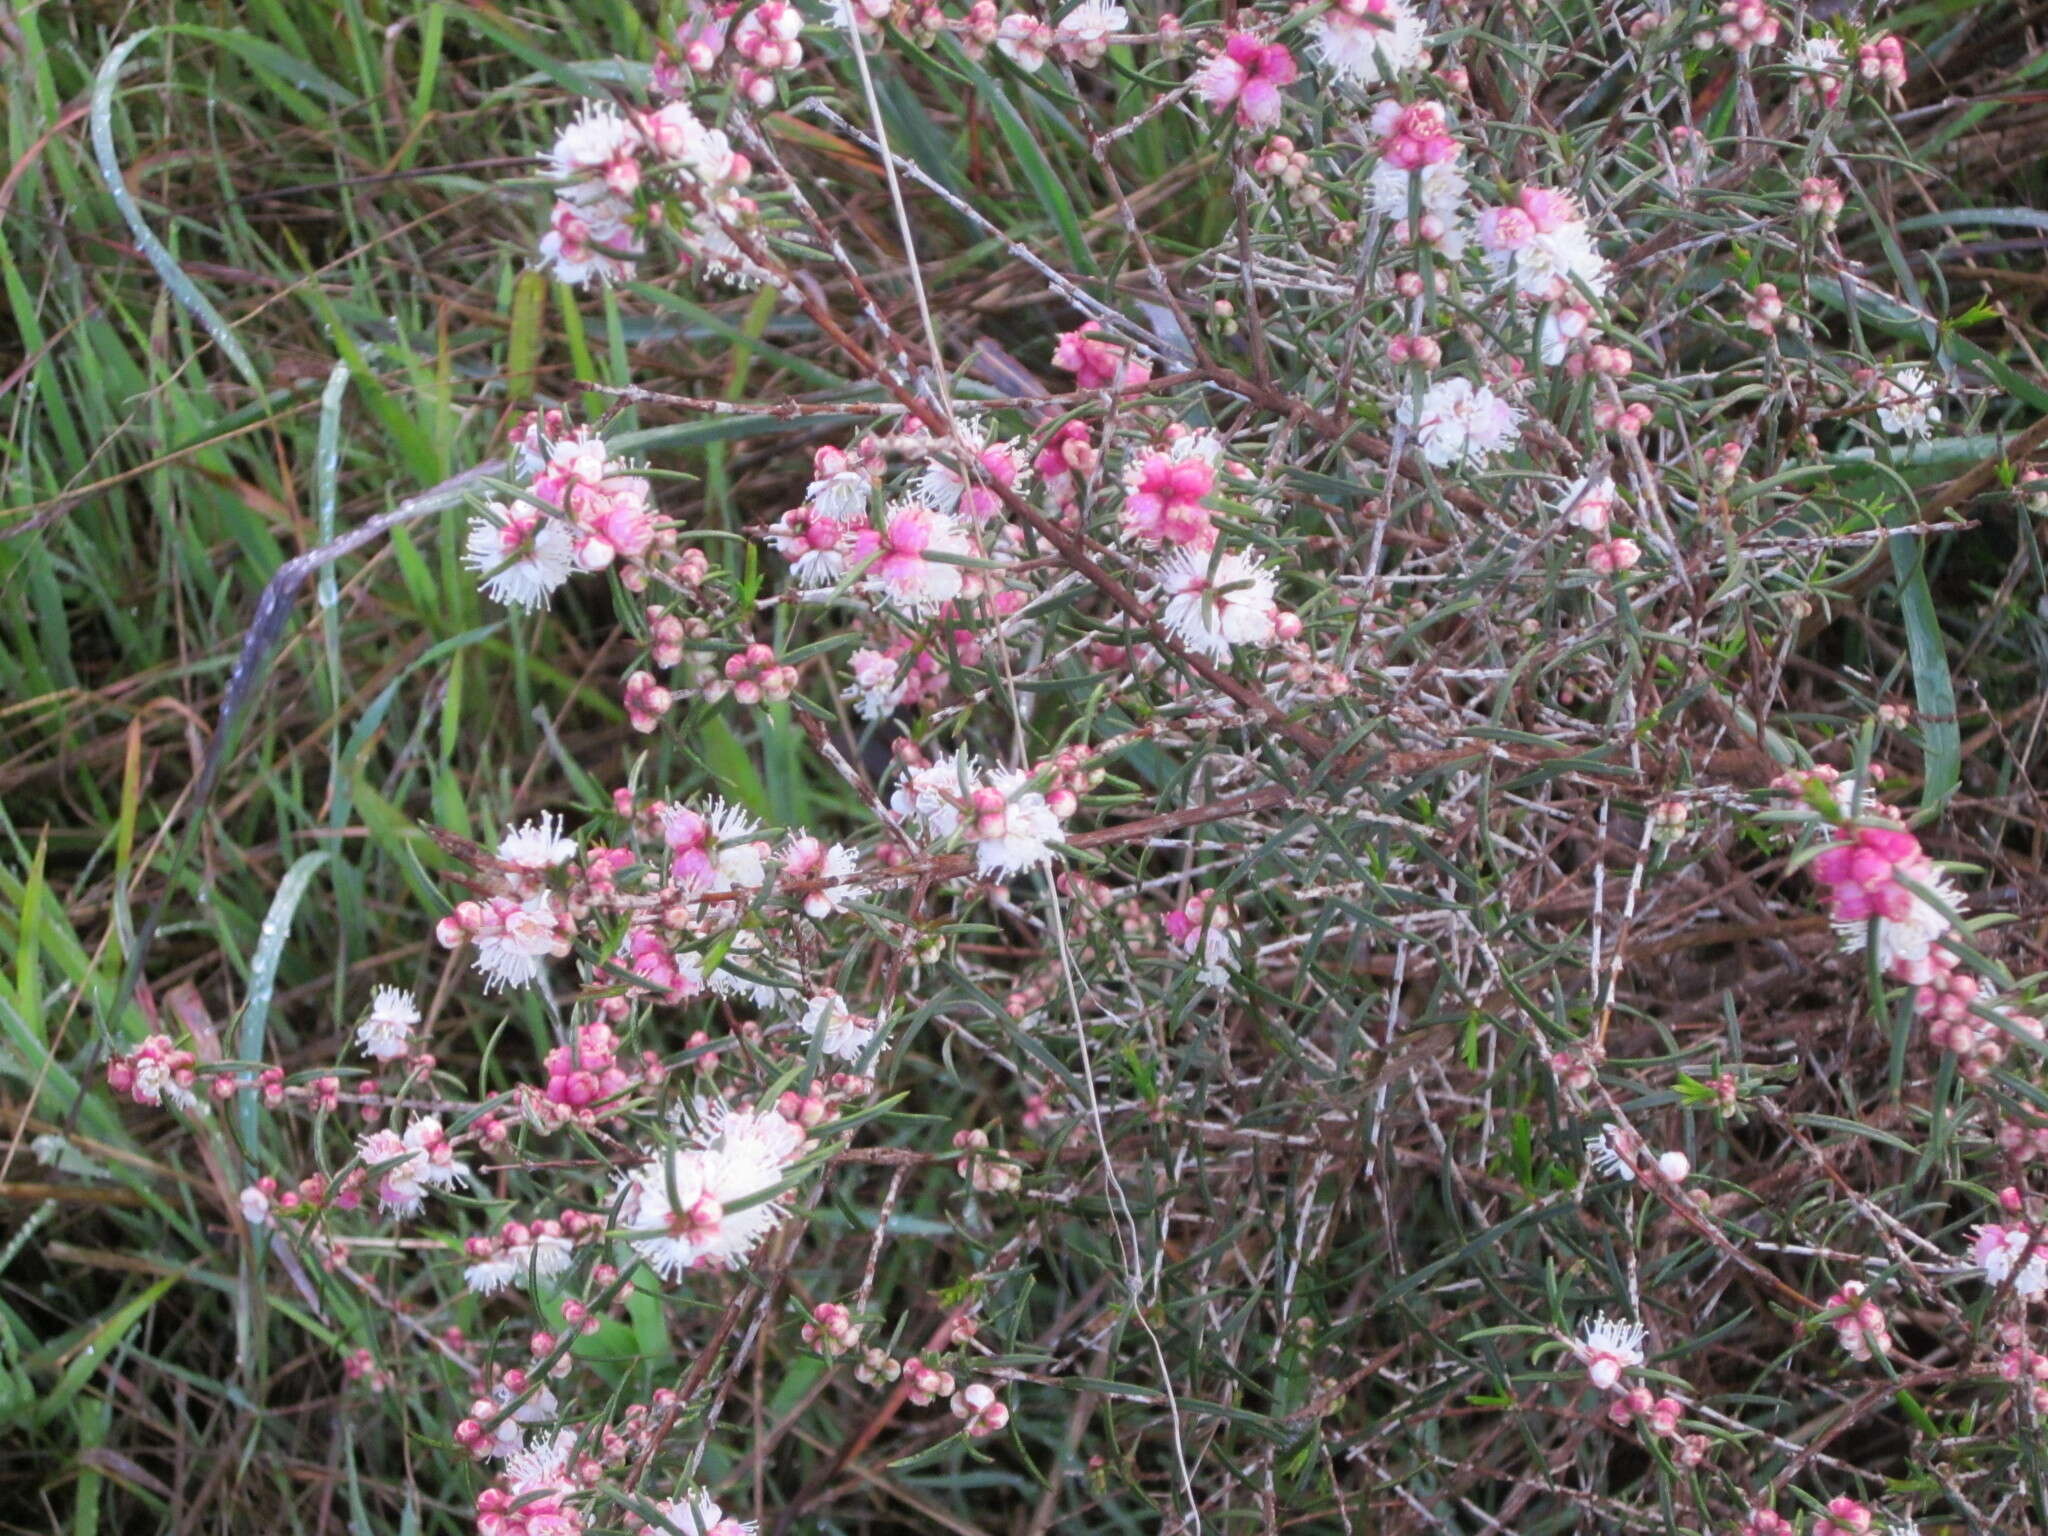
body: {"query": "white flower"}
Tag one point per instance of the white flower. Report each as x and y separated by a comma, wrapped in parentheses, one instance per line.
(597, 137)
(1012, 828)
(1609, 1346)
(1442, 190)
(543, 1466)
(1213, 610)
(932, 795)
(255, 1206)
(386, 1034)
(1365, 52)
(541, 1257)
(509, 952)
(1091, 24)
(1458, 420)
(939, 485)
(746, 950)
(522, 558)
(1998, 1250)
(489, 1276)
(695, 1514)
(1550, 263)
(1908, 402)
(839, 1031)
(1818, 55)
(682, 1203)
(1604, 1152)
(537, 846)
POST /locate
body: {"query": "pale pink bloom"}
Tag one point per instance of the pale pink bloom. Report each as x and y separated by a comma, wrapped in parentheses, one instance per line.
(536, 847)
(934, 795)
(1608, 1347)
(897, 559)
(386, 1034)
(879, 683)
(402, 1186)
(1215, 603)
(1543, 245)
(1457, 420)
(1250, 74)
(1821, 61)
(694, 1513)
(589, 242)
(840, 485)
(681, 1203)
(255, 1204)
(1024, 40)
(513, 938)
(434, 1152)
(818, 546)
(716, 849)
(1589, 503)
(154, 1071)
(522, 554)
(1011, 825)
(1999, 1249)
(597, 154)
(824, 874)
(1082, 35)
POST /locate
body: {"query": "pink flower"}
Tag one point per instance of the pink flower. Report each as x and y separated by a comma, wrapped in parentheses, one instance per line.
(1096, 363)
(898, 557)
(1166, 500)
(1250, 73)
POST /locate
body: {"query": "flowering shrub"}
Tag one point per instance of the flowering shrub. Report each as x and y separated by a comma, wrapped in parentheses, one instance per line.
(1193, 769)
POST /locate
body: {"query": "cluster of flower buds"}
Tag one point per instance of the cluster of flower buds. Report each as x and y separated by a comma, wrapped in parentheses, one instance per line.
(1744, 25)
(1882, 61)
(1658, 1417)
(989, 1172)
(154, 1071)
(928, 1382)
(980, 1411)
(1859, 1322)
(831, 1330)
(751, 675)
